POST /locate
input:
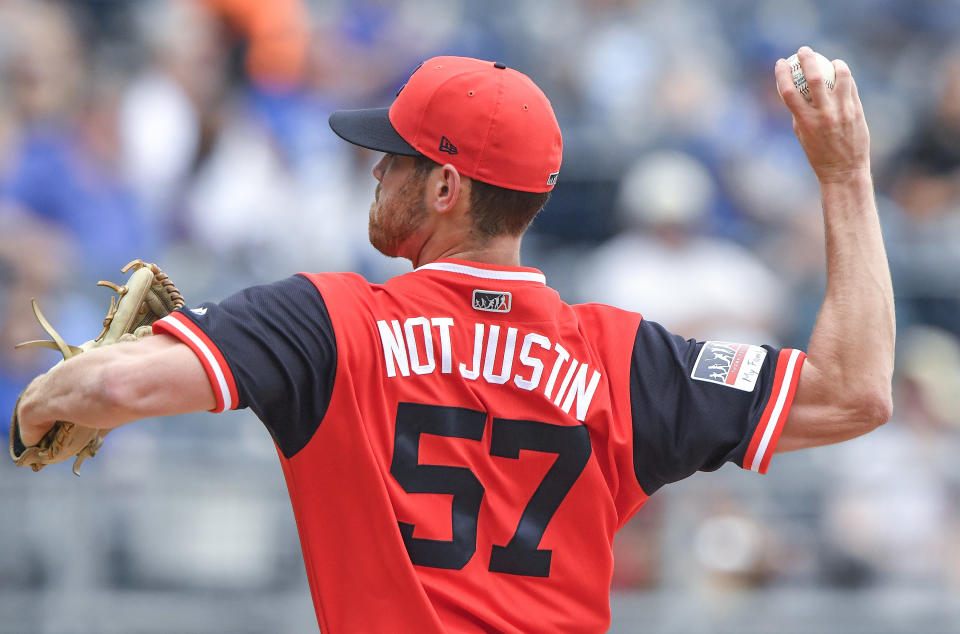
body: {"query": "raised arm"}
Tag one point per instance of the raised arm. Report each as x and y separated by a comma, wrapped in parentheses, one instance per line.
(845, 385)
(113, 385)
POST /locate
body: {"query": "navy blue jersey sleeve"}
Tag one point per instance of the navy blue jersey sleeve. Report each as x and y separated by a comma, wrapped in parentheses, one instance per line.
(697, 405)
(270, 348)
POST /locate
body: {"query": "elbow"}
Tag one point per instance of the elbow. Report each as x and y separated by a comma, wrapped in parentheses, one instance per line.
(885, 408)
(874, 409)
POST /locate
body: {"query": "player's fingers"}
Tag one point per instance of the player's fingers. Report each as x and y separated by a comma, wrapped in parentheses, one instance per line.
(789, 94)
(846, 89)
(813, 75)
(31, 434)
(844, 85)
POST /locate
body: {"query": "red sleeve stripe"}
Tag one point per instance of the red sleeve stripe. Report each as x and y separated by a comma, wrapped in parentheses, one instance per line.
(775, 414)
(221, 378)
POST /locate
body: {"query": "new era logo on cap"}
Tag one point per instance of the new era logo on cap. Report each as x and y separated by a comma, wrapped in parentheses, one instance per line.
(447, 146)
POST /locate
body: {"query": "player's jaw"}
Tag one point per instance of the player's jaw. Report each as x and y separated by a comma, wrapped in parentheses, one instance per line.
(398, 211)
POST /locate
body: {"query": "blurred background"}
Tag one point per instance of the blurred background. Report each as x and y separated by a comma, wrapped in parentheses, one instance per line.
(194, 133)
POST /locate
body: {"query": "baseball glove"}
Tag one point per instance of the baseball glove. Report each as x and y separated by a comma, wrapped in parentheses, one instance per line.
(146, 297)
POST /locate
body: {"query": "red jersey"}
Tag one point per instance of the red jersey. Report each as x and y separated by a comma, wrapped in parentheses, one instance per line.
(461, 446)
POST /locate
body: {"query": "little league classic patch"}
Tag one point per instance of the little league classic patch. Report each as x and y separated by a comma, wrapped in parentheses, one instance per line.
(492, 301)
(735, 365)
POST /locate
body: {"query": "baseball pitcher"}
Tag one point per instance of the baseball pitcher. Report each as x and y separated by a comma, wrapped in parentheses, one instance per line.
(459, 444)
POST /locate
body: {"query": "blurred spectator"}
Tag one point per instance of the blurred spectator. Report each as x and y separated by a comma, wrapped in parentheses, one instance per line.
(924, 226)
(278, 39)
(663, 266)
(62, 164)
(735, 551)
(171, 111)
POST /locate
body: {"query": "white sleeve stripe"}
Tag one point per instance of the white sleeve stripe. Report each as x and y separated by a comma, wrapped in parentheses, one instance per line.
(781, 399)
(208, 355)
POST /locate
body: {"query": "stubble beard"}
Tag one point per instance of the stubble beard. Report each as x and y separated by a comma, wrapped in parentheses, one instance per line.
(390, 227)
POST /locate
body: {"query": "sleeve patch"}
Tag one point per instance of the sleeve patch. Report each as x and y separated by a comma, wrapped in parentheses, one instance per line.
(735, 365)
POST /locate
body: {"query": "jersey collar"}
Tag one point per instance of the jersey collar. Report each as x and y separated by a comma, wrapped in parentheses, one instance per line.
(486, 271)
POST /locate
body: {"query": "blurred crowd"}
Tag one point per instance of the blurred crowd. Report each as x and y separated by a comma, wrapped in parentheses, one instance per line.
(193, 133)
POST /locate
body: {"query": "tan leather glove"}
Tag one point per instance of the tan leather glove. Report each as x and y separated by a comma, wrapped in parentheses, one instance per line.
(146, 297)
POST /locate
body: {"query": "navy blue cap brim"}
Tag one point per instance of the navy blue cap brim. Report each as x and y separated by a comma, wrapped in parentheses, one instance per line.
(370, 128)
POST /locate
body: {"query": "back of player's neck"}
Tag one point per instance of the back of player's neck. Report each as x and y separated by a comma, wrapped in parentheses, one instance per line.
(501, 251)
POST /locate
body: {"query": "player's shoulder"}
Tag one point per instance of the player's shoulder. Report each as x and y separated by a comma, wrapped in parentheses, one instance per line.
(348, 277)
(595, 311)
(337, 282)
(605, 322)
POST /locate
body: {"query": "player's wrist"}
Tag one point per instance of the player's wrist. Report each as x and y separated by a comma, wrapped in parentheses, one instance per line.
(845, 177)
(849, 197)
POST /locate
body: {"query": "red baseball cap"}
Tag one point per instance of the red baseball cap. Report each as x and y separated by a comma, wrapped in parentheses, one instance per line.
(490, 122)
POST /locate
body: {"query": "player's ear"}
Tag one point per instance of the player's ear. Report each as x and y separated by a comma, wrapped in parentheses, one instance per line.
(445, 188)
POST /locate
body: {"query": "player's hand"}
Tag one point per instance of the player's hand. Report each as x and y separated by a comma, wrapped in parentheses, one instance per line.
(31, 429)
(831, 126)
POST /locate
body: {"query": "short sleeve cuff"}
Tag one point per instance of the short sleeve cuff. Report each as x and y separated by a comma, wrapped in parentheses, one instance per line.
(767, 434)
(218, 372)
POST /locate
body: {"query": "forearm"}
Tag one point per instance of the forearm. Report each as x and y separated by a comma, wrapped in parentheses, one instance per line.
(81, 390)
(853, 340)
(107, 387)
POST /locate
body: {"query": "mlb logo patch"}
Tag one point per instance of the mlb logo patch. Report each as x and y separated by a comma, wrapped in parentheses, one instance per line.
(492, 301)
(735, 365)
